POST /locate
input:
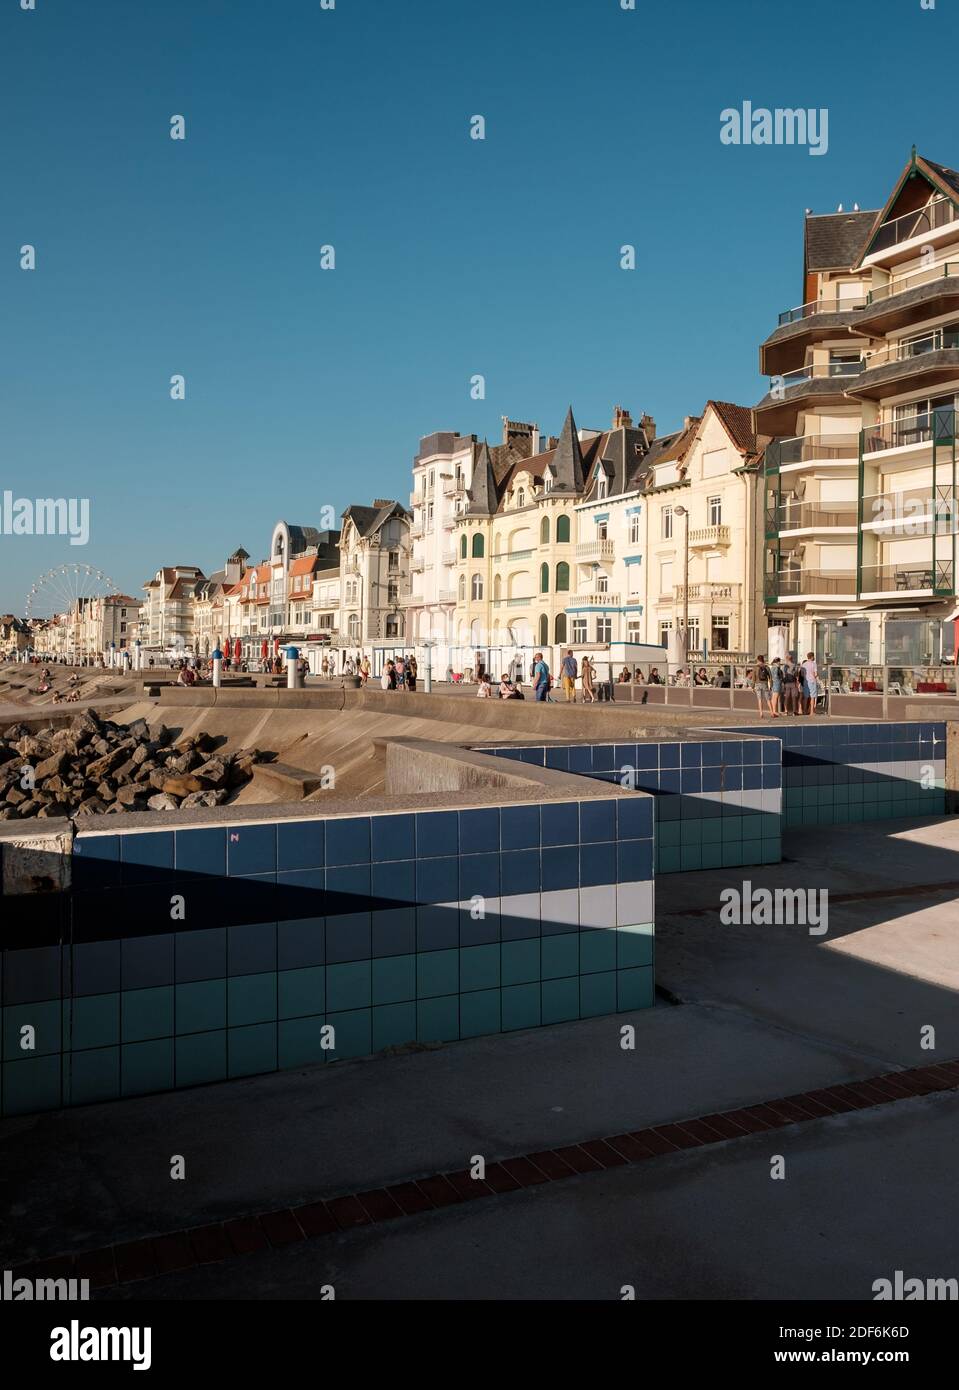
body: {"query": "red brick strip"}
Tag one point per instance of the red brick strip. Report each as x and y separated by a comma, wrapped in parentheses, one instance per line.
(204, 1245)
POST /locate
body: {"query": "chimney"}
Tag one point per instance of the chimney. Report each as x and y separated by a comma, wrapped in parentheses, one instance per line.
(622, 420)
(648, 425)
(534, 448)
(382, 502)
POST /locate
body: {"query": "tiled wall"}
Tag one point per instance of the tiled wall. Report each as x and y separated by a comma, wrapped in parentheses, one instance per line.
(837, 773)
(717, 800)
(191, 956)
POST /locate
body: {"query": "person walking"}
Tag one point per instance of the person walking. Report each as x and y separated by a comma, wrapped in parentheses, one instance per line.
(540, 677)
(569, 671)
(776, 672)
(364, 670)
(400, 667)
(810, 673)
(589, 692)
(412, 670)
(790, 679)
(761, 682)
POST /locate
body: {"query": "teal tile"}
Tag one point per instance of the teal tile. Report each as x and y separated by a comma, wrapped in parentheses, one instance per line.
(634, 946)
(732, 828)
(146, 1013)
(635, 989)
(201, 1007)
(560, 1000)
(393, 1025)
(669, 833)
(348, 987)
(352, 1032)
(301, 993)
(91, 1020)
(437, 1020)
(597, 994)
(712, 856)
(752, 851)
(31, 1085)
(200, 1058)
(691, 857)
(560, 956)
(146, 1067)
(92, 1075)
(520, 961)
(394, 981)
(437, 973)
(712, 831)
(44, 1019)
(300, 1042)
(480, 1013)
(250, 999)
(668, 860)
(772, 854)
(480, 968)
(252, 1049)
(597, 950)
(521, 1007)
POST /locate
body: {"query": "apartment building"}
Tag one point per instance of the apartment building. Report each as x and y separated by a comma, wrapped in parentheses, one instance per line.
(860, 518)
(107, 622)
(167, 616)
(274, 599)
(211, 611)
(442, 474)
(703, 495)
(374, 580)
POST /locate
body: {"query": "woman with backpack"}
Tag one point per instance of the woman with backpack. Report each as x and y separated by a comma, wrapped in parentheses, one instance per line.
(761, 681)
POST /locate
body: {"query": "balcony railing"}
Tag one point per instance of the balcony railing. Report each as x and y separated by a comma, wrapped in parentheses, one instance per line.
(935, 576)
(810, 448)
(796, 583)
(698, 592)
(795, 516)
(832, 304)
(934, 341)
(601, 550)
(937, 213)
(815, 371)
(446, 596)
(454, 487)
(710, 535)
(595, 601)
(505, 556)
(911, 510)
(449, 557)
(511, 602)
(902, 283)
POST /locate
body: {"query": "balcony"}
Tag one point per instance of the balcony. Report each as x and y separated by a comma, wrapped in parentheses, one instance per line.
(417, 564)
(504, 558)
(512, 602)
(930, 579)
(710, 537)
(926, 361)
(416, 530)
(786, 584)
(817, 384)
(896, 235)
(709, 592)
(454, 487)
(595, 601)
(811, 448)
(446, 596)
(809, 323)
(601, 551)
(449, 557)
(913, 511)
(940, 426)
(922, 294)
(816, 516)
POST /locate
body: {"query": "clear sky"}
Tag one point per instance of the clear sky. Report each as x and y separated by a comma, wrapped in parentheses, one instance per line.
(304, 127)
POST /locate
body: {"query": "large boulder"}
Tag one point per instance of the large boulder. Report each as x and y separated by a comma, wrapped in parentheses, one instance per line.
(163, 802)
(182, 786)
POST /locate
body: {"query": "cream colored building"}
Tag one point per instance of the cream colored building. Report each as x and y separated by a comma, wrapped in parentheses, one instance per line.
(374, 582)
(167, 617)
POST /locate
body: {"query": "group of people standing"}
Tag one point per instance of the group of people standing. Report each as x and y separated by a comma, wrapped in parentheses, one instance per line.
(400, 674)
(787, 687)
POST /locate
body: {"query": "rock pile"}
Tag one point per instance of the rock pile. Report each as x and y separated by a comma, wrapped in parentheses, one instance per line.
(94, 765)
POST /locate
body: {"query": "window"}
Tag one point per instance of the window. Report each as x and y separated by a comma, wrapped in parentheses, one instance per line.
(394, 560)
(634, 580)
(521, 497)
(602, 583)
(604, 629)
(692, 636)
(559, 628)
(497, 588)
(476, 587)
(719, 637)
(634, 531)
(714, 506)
(392, 626)
(392, 592)
(544, 579)
(632, 629)
(462, 588)
(543, 629)
(579, 630)
(667, 520)
(562, 577)
(478, 546)
(665, 628)
(602, 530)
(463, 546)
(544, 531)
(562, 529)
(123, 612)
(602, 485)
(666, 578)
(431, 480)
(429, 516)
(548, 487)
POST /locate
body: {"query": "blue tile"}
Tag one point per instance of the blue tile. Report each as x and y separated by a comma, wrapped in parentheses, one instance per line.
(348, 841)
(519, 827)
(347, 889)
(96, 967)
(597, 865)
(604, 757)
(437, 880)
(669, 780)
(32, 975)
(392, 838)
(480, 831)
(634, 861)
(251, 849)
(300, 893)
(479, 876)
(669, 755)
(349, 938)
(146, 961)
(558, 758)
(300, 844)
(560, 823)
(200, 955)
(393, 883)
(520, 872)
(634, 817)
(394, 932)
(146, 858)
(437, 834)
(437, 928)
(691, 755)
(581, 758)
(597, 821)
(647, 755)
(300, 943)
(96, 861)
(251, 948)
(560, 869)
(691, 779)
(201, 851)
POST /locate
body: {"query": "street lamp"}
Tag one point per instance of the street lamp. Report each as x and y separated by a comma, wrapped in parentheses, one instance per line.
(684, 513)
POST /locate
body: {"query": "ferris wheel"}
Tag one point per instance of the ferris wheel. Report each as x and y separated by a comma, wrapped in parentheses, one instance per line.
(65, 589)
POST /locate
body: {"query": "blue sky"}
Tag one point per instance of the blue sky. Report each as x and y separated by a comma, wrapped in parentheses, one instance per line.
(307, 388)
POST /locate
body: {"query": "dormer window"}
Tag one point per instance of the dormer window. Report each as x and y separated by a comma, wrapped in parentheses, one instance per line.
(521, 497)
(602, 485)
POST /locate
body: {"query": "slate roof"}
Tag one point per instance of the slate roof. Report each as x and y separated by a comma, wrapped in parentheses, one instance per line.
(368, 520)
(482, 492)
(835, 240)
